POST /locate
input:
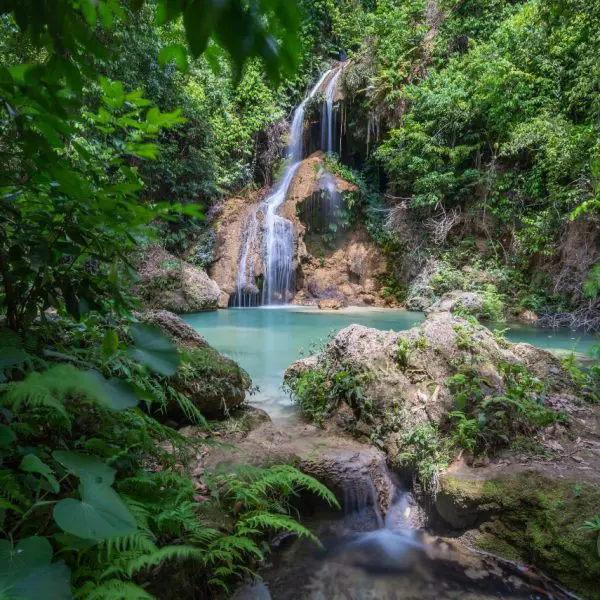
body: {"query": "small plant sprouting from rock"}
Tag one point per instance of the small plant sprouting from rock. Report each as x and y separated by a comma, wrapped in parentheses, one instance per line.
(594, 526)
(464, 337)
(427, 452)
(402, 352)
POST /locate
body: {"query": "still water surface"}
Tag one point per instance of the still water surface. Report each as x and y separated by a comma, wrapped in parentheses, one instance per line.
(265, 340)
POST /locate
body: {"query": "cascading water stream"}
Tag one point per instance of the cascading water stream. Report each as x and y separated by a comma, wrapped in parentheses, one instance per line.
(328, 115)
(278, 231)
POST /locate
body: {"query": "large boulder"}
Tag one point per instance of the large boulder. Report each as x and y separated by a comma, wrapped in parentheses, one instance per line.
(403, 376)
(530, 515)
(213, 383)
(468, 302)
(167, 282)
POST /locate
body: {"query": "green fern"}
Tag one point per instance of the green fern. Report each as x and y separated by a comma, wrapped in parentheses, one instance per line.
(265, 520)
(113, 589)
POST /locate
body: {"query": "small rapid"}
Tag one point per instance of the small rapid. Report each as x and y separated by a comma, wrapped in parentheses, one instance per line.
(369, 555)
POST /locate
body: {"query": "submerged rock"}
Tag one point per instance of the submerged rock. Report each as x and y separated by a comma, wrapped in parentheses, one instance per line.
(167, 282)
(213, 383)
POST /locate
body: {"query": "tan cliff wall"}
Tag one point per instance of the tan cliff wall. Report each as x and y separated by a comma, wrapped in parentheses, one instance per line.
(344, 273)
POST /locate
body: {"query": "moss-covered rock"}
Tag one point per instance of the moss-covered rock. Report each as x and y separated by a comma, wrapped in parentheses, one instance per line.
(213, 383)
(530, 517)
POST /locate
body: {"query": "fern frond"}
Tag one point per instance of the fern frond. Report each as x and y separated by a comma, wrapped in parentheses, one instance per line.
(265, 520)
(116, 589)
(177, 553)
(140, 542)
(236, 545)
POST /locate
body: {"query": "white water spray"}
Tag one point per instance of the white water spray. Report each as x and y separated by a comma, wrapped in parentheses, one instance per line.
(328, 115)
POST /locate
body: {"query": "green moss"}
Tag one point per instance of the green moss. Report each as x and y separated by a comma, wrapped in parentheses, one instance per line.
(537, 520)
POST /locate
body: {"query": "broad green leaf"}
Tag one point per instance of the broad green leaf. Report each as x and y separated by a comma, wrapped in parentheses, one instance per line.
(110, 343)
(154, 349)
(30, 552)
(7, 436)
(114, 393)
(100, 514)
(174, 52)
(86, 467)
(50, 582)
(32, 464)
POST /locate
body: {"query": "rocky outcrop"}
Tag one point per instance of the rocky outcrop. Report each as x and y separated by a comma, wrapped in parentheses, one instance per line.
(332, 268)
(531, 515)
(241, 214)
(211, 382)
(346, 466)
(403, 376)
(175, 327)
(469, 302)
(169, 283)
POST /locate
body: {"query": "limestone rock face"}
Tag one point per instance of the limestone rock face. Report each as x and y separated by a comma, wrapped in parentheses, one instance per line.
(169, 283)
(213, 383)
(240, 215)
(345, 267)
(403, 375)
(471, 302)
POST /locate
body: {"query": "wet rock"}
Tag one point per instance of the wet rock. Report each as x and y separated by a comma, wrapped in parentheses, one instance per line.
(528, 316)
(330, 304)
(169, 283)
(256, 590)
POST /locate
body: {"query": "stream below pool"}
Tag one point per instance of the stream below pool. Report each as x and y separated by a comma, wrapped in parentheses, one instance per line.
(366, 555)
(266, 340)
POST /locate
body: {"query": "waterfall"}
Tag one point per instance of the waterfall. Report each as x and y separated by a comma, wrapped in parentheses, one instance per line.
(328, 116)
(279, 232)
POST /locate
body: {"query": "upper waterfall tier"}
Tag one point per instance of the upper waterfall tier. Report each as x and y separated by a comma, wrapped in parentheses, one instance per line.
(273, 232)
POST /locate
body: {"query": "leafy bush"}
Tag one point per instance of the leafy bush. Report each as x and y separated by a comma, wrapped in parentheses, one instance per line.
(425, 451)
(484, 423)
(91, 478)
(311, 391)
(493, 305)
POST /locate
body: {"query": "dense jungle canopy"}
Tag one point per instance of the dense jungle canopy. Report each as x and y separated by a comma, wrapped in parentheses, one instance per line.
(469, 134)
